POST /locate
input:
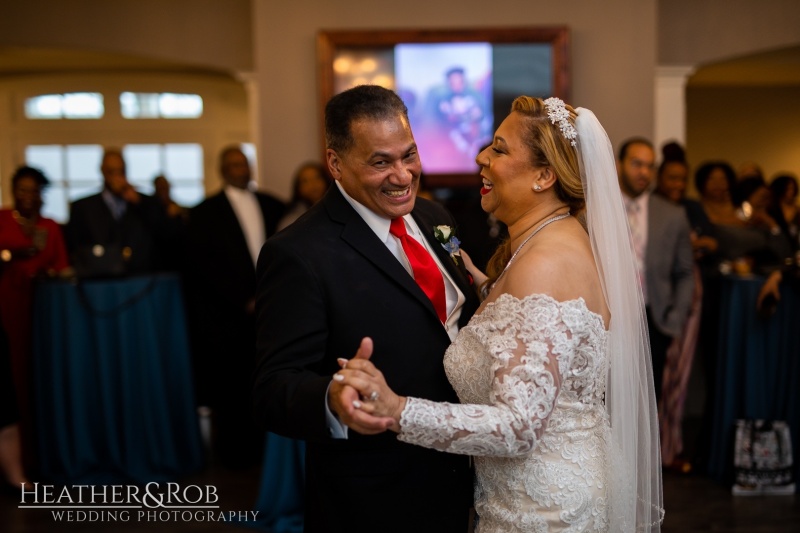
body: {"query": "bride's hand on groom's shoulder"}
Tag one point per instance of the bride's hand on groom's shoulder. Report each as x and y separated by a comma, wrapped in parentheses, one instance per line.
(478, 276)
(375, 398)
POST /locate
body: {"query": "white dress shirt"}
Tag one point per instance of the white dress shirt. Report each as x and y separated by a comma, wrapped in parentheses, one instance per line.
(251, 220)
(115, 204)
(454, 297)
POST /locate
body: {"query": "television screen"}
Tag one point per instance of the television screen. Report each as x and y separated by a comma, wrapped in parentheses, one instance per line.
(448, 91)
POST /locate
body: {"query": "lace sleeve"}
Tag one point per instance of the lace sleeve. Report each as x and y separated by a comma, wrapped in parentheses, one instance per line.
(528, 346)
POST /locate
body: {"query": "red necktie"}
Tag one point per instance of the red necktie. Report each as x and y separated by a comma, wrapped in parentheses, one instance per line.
(426, 273)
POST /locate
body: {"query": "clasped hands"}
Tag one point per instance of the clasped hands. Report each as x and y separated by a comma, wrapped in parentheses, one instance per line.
(360, 396)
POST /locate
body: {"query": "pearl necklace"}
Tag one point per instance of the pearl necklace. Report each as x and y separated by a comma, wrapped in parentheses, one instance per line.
(537, 230)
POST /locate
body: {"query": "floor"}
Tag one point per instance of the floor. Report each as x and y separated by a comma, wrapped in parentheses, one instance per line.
(693, 503)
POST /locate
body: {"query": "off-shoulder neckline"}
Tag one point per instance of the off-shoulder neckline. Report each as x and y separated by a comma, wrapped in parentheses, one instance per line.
(547, 297)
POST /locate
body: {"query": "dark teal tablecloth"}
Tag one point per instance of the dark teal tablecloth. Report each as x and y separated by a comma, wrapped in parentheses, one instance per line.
(113, 382)
(758, 372)
(280, 498)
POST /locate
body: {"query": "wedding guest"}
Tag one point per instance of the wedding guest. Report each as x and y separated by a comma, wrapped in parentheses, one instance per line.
(226, 232)
(672, 177)
(756, 238)
(671, 183)
(662, 242)
(784, 208)
(162, 190)
(11, 468)
(310, 183)
(749, 169)
(715, 182)
(740, 243)
(31, 246)
(172, 253)
(118, 231)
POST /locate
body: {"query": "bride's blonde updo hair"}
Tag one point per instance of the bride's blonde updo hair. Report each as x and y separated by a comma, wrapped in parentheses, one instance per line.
(548, 147)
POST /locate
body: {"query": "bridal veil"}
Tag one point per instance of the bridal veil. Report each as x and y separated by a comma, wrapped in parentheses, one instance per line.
(635, 492)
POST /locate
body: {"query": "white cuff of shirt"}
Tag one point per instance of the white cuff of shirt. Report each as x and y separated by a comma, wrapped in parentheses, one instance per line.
(335, 426)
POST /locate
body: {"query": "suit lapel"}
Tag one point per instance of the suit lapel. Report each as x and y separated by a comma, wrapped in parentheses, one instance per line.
(358, 235)
(654, 219)
(234, 229)
(103, 219)
(457, 271)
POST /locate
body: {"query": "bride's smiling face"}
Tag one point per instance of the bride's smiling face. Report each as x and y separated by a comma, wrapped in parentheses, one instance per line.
(507, 171)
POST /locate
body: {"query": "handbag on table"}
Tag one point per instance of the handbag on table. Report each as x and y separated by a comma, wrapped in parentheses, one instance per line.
(762, 458)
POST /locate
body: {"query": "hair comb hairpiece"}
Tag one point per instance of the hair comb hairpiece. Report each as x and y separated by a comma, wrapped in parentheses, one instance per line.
(559, 116)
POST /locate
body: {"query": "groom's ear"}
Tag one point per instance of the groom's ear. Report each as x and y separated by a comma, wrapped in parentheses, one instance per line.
(334, 163)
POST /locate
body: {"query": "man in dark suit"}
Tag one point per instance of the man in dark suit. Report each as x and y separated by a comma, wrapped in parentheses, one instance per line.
(226, 232)
(660, 233)
(118, 231)
(338, 275)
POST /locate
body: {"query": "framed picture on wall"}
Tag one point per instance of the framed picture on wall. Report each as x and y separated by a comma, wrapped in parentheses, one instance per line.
(457, 84)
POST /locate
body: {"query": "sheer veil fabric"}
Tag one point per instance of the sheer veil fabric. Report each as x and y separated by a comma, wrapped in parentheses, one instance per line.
(630, 397)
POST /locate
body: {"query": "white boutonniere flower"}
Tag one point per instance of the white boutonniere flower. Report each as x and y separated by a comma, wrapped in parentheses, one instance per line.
(445, 235)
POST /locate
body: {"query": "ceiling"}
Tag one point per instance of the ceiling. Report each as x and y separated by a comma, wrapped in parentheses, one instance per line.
(776, 67)
(22, 61)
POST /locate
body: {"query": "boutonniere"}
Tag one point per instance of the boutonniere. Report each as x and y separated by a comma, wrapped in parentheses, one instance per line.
(444, 234)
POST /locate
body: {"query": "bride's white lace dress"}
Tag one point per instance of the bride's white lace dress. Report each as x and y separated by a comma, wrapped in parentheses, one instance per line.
(531, 374)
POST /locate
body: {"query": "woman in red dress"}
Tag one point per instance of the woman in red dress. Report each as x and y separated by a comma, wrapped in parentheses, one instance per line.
(31, 247)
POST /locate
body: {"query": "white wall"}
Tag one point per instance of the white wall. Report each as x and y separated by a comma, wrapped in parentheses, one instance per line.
(613, 60)
(737, 120)
(741, 124)
(212, 33)
(695, 32)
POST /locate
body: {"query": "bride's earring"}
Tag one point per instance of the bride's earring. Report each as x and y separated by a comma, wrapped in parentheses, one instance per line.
(537, 187)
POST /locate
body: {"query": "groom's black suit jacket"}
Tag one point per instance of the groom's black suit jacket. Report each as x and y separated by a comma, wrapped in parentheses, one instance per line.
(323, 284)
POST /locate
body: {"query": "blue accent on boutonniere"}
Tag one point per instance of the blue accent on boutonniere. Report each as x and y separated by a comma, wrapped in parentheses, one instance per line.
(445, 235)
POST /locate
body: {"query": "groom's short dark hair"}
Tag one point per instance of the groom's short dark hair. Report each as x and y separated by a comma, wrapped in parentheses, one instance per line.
(360, 102)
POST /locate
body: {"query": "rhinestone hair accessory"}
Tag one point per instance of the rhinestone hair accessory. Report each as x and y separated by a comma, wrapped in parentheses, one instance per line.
(559, 116)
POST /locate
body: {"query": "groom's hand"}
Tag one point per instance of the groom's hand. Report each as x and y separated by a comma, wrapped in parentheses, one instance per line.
(341, 398)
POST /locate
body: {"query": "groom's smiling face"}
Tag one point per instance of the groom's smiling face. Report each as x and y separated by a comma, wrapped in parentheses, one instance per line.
(381, 168)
